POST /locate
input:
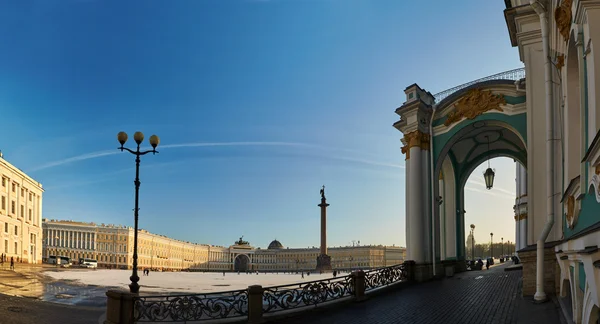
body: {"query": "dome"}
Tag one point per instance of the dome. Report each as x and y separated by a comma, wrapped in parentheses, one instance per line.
(275, 245)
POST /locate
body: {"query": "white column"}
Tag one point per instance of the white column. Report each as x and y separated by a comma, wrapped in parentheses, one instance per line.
(521, 210)
(414, 206)
(418, 211)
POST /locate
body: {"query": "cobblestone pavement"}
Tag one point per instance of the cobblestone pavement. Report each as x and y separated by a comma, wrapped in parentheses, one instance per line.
(487, 296)
(21, 310)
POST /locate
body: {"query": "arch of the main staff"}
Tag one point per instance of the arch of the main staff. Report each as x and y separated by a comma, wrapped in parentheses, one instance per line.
(241, 263)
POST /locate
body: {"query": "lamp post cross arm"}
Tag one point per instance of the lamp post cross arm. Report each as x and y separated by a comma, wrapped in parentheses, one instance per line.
(138, 152)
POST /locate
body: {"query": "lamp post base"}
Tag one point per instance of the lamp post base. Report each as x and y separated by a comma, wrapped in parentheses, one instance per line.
(134, 287)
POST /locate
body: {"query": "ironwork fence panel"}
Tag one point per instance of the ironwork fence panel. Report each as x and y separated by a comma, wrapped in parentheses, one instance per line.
(304, 294)
(385, 276)
(196, 307)
(231, 304)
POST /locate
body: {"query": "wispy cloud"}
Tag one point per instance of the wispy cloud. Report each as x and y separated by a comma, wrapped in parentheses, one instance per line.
(478, 186)
(94, 155)
(82, 157)
(108, 176)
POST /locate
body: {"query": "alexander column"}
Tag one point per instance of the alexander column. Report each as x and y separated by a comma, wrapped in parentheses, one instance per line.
(323, 260)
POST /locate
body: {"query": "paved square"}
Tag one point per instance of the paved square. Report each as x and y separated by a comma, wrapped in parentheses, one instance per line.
(487, 296)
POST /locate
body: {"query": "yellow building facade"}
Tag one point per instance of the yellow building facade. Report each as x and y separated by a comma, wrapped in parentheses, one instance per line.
(112, 247)
(20, 215)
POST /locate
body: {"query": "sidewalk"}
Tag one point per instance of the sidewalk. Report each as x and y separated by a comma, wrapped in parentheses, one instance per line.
(28, 283)
(487, 296)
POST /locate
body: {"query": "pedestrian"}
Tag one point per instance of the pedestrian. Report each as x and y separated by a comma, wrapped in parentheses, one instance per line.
(12, 263)
(302, 274)
(223, 273)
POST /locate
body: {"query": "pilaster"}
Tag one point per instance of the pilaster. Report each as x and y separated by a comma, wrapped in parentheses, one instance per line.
(415, 115)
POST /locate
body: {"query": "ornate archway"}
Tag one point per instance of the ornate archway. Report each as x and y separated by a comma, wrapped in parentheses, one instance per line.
(480, 121)
(241, 263)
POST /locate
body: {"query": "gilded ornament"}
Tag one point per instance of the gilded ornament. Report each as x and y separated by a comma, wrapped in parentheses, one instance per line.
(521, 217)
(413, 139)
(570, 210)
(597, 170)
(475, 103)
(563, 17)
(560, 61)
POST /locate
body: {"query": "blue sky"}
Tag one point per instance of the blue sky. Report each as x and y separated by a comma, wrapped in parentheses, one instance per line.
(274, 97)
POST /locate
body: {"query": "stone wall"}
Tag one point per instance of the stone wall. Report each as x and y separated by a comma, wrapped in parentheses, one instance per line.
(528, 258)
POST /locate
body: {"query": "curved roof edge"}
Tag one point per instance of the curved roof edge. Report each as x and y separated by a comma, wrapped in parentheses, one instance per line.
(458, 93)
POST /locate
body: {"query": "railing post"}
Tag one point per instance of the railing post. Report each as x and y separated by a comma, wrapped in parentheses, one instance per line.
(119, 307)
(358, 279)
(409, 267)
(255, 304)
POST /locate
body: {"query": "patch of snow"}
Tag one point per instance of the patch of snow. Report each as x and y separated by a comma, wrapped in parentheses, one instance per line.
(183, 282)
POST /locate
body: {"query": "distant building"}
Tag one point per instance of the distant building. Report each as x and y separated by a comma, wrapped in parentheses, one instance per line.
(112, 247)
(20, 215)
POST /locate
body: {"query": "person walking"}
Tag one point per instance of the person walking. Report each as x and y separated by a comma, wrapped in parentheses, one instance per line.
(12, 263)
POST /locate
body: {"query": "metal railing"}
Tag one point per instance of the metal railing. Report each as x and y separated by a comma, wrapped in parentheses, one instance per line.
(256, 300)
(383, 277)
(515, 75)
(196, 307)
(304, 294)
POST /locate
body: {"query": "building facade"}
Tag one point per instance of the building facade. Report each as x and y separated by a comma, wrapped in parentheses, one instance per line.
(546, 116)
(112, 247)
(20, 215)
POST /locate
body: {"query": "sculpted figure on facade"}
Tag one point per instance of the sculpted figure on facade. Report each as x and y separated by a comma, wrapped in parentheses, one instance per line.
(475, 103)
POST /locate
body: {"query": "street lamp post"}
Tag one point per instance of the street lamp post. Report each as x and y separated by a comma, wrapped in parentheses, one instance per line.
(502, 246)
(472, 241)
(134, 287)
(492, 245)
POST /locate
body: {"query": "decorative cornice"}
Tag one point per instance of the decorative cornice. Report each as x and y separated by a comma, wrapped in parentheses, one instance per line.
(415, 139)
(474, 103)
(563, 17)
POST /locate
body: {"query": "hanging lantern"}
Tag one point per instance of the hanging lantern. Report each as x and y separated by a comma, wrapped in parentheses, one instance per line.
(489, 174)
(489, 178)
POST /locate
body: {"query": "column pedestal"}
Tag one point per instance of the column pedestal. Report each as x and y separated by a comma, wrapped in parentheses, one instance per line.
(528, 257)
(324, 263)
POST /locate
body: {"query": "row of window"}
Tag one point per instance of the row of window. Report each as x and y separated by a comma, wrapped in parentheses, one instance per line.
(13, 209)
(14, 188)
